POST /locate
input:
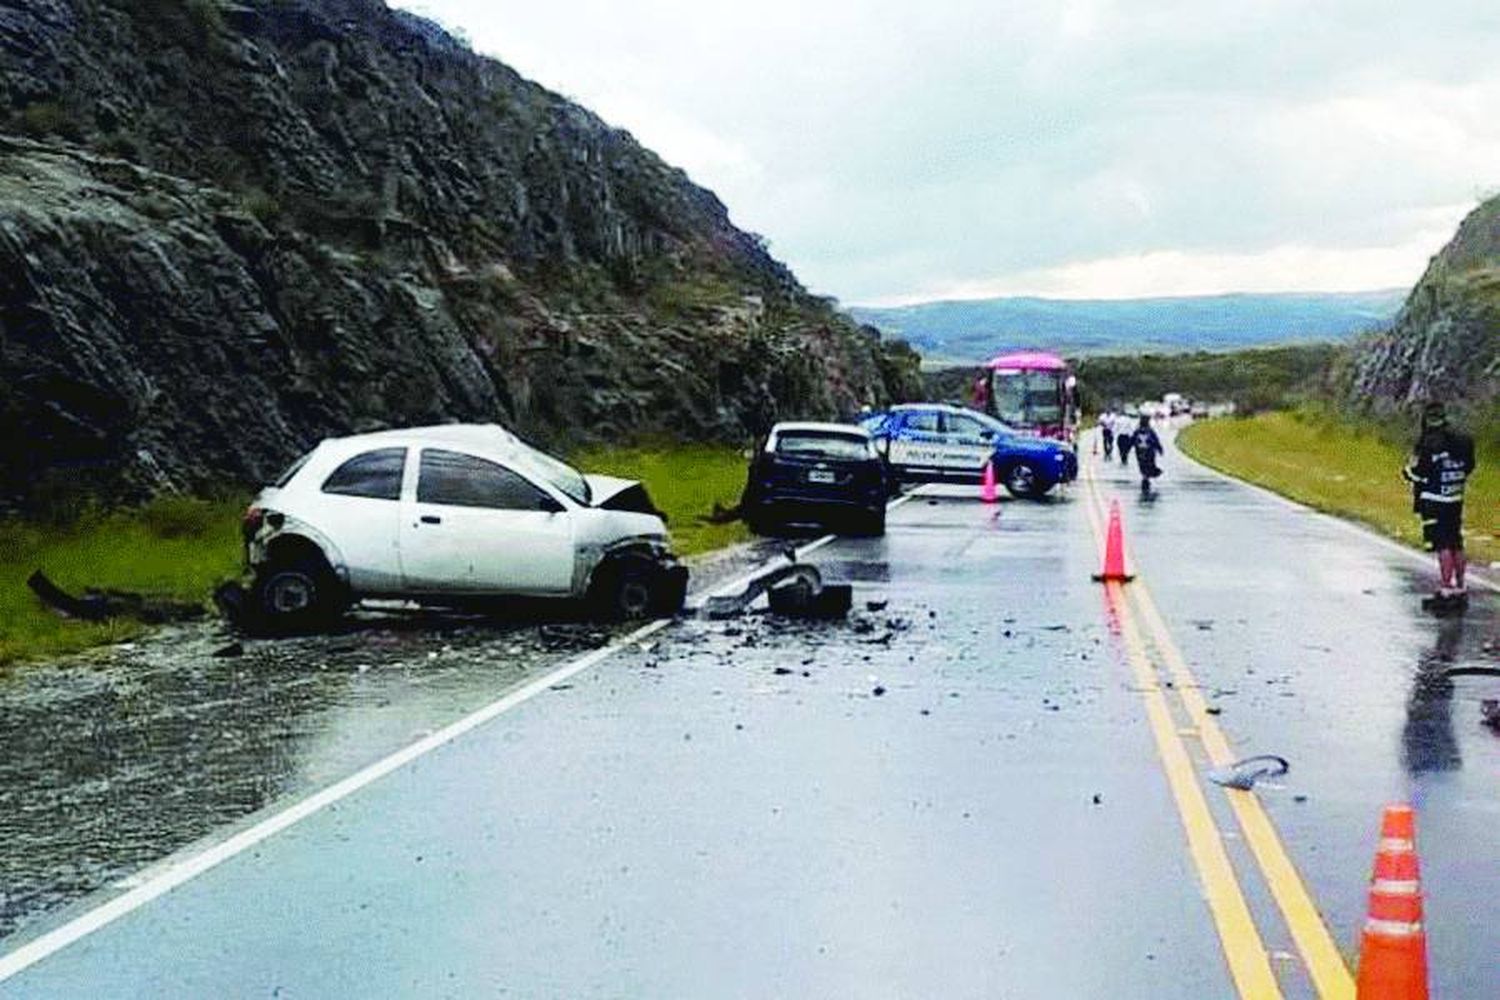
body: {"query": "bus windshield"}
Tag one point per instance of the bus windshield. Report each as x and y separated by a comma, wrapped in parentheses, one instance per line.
(1027, 398)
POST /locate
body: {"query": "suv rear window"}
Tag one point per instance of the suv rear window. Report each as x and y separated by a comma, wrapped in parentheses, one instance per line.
(458, 480)
(811, 444)
(374, 474)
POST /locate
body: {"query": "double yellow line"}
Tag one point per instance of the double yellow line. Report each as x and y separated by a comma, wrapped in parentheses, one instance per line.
(1245, 952)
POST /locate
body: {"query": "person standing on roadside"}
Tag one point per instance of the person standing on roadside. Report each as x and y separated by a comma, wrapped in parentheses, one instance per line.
(1438, 469)
(1107, 432)
(1147, 446)
(1124, 436)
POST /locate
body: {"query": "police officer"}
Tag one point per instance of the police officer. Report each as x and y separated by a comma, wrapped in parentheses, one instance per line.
(1438, 469)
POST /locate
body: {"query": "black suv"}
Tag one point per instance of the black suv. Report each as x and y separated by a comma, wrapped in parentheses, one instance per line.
(828, 474)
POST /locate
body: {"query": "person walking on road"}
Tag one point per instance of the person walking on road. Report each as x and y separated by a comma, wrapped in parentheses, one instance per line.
(1107, 433)
(1438, 469)
(1147, 446)
(1124, 436)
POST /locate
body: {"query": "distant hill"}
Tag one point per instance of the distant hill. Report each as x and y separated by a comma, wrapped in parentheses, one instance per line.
(974, 330)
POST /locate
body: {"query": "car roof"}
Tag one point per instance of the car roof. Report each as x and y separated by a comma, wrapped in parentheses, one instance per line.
(849, 430)
(945, 407)
(483, 439)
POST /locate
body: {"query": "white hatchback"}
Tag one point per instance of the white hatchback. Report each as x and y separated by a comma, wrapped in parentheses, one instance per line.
(449, 515)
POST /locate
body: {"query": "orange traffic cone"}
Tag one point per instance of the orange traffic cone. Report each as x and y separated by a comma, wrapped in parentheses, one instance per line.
(1114, 550)
(1393, 948)
(987, 484)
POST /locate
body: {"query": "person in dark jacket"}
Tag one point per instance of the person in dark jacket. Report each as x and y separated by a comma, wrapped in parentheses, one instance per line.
(1438, 469)
(1147, 446)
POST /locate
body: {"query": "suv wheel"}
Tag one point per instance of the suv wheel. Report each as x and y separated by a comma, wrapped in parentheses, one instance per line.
(297, 594)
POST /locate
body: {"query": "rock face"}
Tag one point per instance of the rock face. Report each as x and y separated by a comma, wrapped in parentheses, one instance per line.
(1445, 344)
(228, 230)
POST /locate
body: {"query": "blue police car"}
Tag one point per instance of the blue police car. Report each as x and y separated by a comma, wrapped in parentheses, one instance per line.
(938, 443)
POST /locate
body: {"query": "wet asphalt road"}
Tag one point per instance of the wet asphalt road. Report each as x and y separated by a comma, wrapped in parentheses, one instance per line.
(951, 794)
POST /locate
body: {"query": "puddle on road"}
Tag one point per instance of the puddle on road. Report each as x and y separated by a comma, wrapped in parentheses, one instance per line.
(115, 761)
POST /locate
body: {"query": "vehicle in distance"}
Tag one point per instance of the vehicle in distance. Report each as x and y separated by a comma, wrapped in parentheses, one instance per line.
(449, 516)
(827, 474)
(936, 442)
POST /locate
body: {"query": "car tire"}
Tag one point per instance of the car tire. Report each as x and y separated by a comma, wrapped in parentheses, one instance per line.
(297, 594)
(630, 588)
(761, 523)
(870, 523)
(1023, 482)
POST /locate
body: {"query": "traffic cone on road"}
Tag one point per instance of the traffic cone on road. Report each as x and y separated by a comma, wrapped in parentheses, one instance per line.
(1393, 947)
(1114, 550)
(987, 491)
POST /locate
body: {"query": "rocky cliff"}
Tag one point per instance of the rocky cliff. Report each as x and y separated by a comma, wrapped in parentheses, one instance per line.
(1445, 343)
(229, 229)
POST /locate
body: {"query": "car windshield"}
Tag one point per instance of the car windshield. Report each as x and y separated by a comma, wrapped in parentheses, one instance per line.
(562, 476)
(820, 444)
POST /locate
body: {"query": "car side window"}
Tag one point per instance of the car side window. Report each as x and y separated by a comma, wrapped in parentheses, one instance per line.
(923, 421)
(373, 474)
(458, 480)
(961, 425)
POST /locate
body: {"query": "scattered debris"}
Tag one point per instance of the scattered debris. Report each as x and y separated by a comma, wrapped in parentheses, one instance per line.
(1243, 774)
(1489, 713)
(1214, 710)
(793, 589)
(233, 649)
(878, 691)
(99, 605)
(782, 671)
(1098, 799)
(876, 605)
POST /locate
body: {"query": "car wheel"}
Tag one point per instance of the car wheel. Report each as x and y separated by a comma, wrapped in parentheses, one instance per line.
(1021, 480)
(627, 589)
(870, 523)
(297, 595)
(761, 523)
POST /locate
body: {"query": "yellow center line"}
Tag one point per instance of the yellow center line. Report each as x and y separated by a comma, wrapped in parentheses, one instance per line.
(1249, 964)
(1325, 965)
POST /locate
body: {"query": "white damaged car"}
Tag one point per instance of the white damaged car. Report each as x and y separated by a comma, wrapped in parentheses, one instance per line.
(452, 515)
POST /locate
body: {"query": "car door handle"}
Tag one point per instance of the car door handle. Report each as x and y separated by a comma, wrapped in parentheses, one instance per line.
(431, 519)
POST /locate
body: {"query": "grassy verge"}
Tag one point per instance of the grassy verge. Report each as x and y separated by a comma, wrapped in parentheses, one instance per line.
(685, 481)
(1343, 469)
(174, 548)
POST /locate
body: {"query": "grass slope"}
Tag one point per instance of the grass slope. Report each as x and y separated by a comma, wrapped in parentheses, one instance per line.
(1343, 469)
(685, 481)
(174, 548)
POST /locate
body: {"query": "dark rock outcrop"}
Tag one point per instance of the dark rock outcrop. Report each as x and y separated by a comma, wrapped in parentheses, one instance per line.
(1445, 344)
(228, 230)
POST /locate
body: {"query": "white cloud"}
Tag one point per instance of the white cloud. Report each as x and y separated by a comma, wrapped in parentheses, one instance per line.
(891, 149)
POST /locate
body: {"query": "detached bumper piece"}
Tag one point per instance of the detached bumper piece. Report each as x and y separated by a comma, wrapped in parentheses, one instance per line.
(792, 589)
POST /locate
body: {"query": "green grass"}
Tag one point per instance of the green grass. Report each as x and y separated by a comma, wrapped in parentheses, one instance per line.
(173, 548)
(1344, 469)
(685, 481)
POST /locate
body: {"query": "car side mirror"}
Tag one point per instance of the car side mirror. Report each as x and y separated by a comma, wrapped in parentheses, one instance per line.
(883, 445)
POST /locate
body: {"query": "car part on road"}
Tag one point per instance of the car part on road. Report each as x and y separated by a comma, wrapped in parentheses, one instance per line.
(1243, 774)
(99, 605)
(792, 588)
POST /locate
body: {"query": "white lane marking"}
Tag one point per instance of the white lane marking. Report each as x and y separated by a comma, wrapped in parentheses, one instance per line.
(171, 874)
(1412, 555)
(175, 874)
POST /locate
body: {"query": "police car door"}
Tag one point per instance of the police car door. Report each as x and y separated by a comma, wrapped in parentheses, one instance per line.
(969, 444)
(917, 445)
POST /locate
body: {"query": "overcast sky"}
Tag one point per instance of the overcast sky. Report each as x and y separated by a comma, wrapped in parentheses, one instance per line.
(900, 150)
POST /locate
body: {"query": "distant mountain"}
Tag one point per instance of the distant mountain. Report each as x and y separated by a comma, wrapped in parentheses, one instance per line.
(974, 330)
